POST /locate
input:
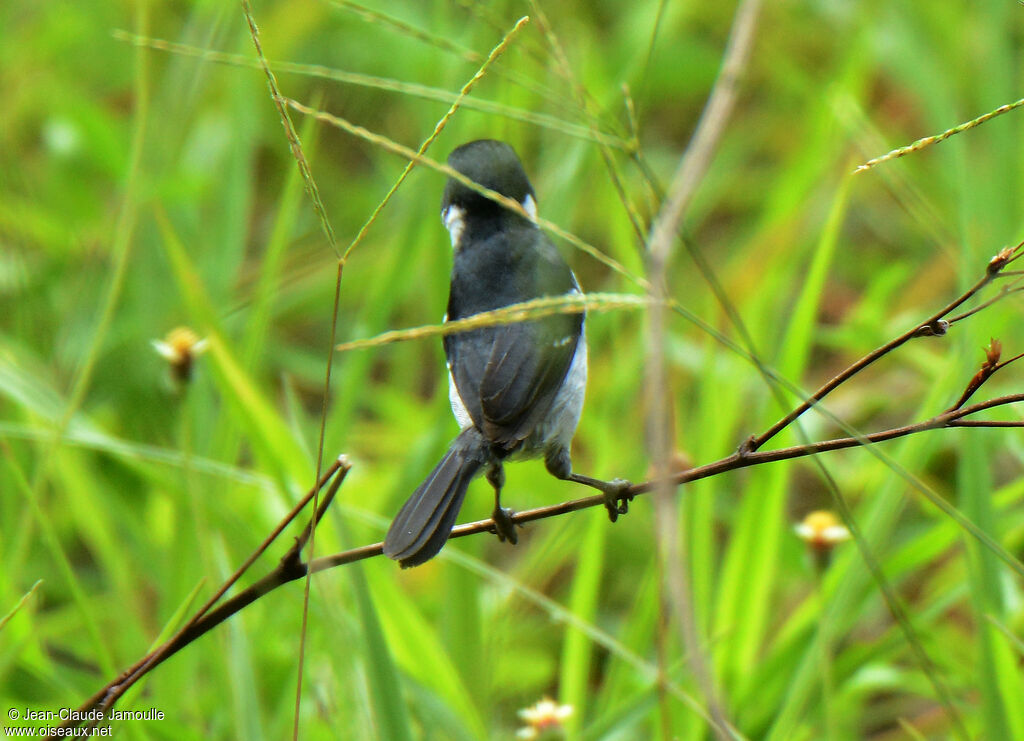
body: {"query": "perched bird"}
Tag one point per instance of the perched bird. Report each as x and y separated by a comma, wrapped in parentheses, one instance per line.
(516, 390)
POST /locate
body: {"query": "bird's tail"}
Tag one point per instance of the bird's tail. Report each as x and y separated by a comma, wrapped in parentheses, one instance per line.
(421, 527)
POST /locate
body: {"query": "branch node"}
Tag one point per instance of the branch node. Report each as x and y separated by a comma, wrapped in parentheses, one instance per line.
(1002, 258)
(747, 447)
(291, 562)
(991, 364)
(934, 328)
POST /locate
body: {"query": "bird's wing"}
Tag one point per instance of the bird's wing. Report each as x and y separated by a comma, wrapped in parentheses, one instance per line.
(508, 376)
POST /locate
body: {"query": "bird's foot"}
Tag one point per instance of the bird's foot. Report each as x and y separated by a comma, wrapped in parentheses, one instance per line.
(616, 493)
(504, 525)
(616, 497)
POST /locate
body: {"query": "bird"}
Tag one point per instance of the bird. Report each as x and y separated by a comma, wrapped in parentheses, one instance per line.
(516, 390)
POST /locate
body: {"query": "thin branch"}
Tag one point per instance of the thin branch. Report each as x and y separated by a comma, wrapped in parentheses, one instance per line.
(935, 325)
(339, 464)
(740, 460)
(985, 423)
(731, 463)
(736, 461)
(987, 370)
(1003, 293)
(288, 570)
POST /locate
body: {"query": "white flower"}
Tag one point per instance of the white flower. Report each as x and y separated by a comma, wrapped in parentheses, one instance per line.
(180, 348)
(822, 530)
(545, 715)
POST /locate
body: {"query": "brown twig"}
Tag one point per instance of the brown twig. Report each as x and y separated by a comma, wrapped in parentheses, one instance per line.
(288, 569)
(1003, 293)
(740, 460)
(935, 325)
(291, 569)
(988, 368)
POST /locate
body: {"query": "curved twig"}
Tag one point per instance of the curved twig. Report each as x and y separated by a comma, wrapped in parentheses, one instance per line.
(291, 568)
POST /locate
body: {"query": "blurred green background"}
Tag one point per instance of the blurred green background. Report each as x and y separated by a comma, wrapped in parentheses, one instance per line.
(146, 183)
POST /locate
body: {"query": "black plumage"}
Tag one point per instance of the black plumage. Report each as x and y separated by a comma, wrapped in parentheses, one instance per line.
(517, 389)
(508, 375)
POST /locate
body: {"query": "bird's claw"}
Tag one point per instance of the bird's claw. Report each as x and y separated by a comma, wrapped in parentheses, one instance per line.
(504, 525)
(617, 498)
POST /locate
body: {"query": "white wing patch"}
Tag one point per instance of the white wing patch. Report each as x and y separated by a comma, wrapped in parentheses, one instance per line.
(530, 206)
(458, 407)
(454, 397)
(454, 220)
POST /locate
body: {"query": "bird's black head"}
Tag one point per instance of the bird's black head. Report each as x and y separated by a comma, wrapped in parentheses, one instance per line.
(494, 165)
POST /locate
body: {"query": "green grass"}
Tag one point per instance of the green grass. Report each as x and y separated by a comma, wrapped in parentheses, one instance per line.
(149, 185)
